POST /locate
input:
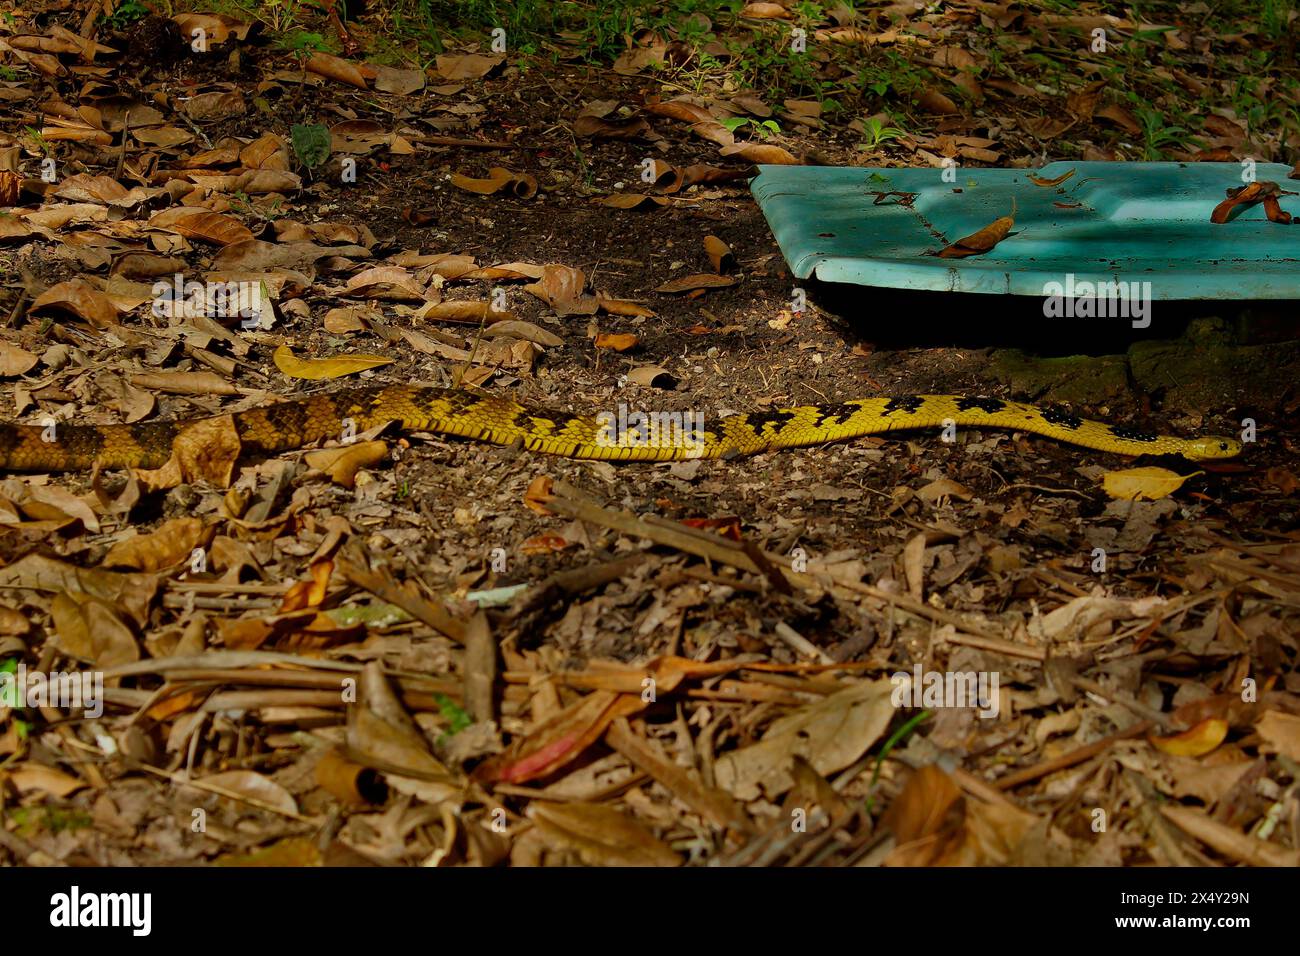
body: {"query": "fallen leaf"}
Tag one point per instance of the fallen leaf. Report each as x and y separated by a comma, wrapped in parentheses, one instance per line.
(981, 241)
(1132, 484)
(618, 341)
(315, 370)
(600, 835)
(702, 280)
(343, 463)
(1196, 742)
(173, 542)
(830, 734)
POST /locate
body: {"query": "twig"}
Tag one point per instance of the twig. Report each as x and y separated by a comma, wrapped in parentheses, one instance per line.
(1071, 758)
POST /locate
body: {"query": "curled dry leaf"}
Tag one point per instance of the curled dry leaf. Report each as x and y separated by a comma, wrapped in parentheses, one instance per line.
(315, 370)
(538, 494)
(343, 463)
(309, 593)
(981, 241)
(1196, 742)
(655, 376)
(1056, 181)
(1260, 191)
(623, 307)
(631, 200)
(217, 28)
(1132, 484)
(618, 341)
(719, 254)
(335, 68)
(521, 184)
(932, 101)
(664, 177)
(11, 185)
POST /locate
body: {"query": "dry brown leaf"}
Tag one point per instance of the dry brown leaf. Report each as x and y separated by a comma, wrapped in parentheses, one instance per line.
(522, 185)
(561, 287)
(32, 777)
(981, 241)
(467, 66)
(932, 101)
(600, 835)
(390, 283)
(205, 451)
(830, 734)
(1121, 117)
(15, 360)
(254, 786)
(343, 463)
(1281, 732)
(133, 593)
(702, 280)
(631, 200)
(80, 298)
(719, 254)
(89, 628)
(761, 153)
(173, 542)
(203, 225)
(336, 68)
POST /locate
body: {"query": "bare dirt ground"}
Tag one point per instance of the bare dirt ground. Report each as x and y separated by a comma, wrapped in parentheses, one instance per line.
(460, 653)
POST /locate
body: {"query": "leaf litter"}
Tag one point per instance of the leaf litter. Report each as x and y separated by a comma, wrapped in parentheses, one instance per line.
(403, 651)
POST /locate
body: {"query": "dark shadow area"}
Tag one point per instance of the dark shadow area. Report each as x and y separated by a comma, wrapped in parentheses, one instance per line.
(900, 318)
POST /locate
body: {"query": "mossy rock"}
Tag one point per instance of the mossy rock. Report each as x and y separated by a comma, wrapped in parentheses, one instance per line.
(1073, 379)
(1204, 374)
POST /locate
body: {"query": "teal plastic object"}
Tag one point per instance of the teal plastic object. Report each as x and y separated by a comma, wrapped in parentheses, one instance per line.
(1109, 222)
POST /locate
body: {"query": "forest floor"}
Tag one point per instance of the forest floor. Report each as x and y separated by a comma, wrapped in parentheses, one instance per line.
(424, 650)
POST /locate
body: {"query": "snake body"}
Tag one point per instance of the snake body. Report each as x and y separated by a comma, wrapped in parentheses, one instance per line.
(615, 435)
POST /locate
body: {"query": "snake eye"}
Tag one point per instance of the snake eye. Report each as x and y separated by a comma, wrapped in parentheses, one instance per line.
(1223, 446)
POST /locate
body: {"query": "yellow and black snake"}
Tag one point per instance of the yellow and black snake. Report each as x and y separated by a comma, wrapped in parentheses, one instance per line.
(616, 435)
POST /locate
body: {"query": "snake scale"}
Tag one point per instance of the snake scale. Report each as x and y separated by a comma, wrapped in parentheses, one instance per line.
(610, 436)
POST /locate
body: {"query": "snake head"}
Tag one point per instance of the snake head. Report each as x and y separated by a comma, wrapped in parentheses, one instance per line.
(1211, 447)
